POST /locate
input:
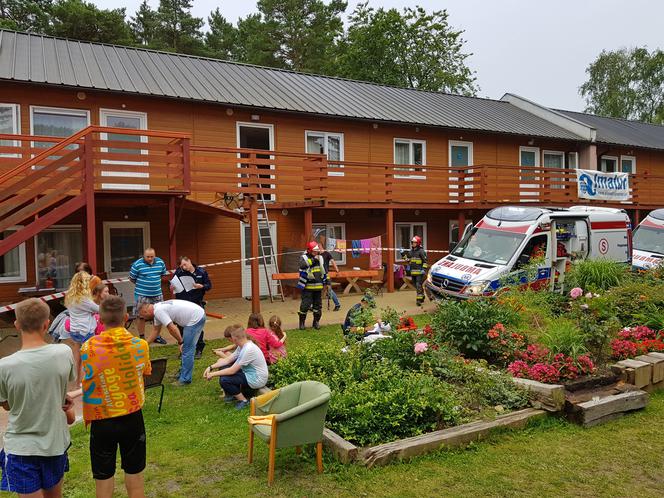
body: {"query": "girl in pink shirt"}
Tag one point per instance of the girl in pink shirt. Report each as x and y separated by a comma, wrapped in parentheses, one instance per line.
(275, 328)
(264, 338)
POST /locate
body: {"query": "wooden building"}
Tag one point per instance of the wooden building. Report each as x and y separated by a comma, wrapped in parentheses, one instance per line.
(105, 150)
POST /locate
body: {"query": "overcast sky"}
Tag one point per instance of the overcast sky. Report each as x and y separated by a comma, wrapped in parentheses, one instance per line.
(533, 48)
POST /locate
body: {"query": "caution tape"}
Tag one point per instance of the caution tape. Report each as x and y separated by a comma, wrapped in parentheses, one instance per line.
(60, 295)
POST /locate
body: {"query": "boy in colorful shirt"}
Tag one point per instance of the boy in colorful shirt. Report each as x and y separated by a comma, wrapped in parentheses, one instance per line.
(114, 363)
(33, 385)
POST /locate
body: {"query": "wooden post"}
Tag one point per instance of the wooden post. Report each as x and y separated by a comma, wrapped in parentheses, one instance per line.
(308, 224)
(90, 228)
(255, 275)
(389, 227)
(172, 248)
(462, 225)
(637, 218)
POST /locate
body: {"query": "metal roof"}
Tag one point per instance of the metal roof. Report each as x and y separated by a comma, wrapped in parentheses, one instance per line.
(54, 61)
(622, 131)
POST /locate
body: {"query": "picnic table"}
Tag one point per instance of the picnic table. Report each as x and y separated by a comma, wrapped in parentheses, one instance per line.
(350, 276)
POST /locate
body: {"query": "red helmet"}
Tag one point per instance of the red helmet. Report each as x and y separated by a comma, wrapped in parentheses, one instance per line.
(312, 246)
(417, 239)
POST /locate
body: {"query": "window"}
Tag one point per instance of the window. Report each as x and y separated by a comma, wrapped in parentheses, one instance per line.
(55, 122)
(410, 152)
(454, 235)
(133, 121)
(572, 160)
(529, 157)
(57, 251)
(330, 144)
(12, 264)
(628, 164)
(608, 164)
(124, 243)
(461, 153)
(404, 233)
(9, 124)
(553, 159)
(325, 232)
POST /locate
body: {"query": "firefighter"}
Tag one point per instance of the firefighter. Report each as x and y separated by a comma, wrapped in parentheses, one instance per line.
(312, 279)
(417, 259)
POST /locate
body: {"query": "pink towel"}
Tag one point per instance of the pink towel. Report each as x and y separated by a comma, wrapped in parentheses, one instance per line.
(375, 257)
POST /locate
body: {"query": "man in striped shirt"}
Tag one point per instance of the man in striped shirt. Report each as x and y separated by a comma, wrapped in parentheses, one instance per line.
(146, 274)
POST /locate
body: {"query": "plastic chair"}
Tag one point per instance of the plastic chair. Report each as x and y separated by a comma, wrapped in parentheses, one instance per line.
(291, 416)
(156, 378)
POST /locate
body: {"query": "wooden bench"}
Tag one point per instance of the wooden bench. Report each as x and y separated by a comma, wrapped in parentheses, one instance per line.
(350, 276)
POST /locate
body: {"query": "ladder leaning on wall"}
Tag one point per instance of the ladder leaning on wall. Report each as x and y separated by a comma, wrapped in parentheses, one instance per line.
(268, 251)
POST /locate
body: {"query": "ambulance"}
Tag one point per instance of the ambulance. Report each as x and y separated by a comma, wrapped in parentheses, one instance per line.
(649, 242)
(501, 247)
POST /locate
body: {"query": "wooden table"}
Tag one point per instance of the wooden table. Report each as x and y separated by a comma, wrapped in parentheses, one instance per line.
(407, 283)
(351, 277)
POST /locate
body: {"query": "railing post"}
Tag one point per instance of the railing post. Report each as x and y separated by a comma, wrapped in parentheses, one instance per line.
(186, 164)
(89, 193)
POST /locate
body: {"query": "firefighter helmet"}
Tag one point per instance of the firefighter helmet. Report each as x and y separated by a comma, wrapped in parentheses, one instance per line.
(417, 239)
(312, 246)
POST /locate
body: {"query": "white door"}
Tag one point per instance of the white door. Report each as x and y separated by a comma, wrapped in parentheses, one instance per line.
(245, 241)
(133, 121)
(257, 136)
(124, 243)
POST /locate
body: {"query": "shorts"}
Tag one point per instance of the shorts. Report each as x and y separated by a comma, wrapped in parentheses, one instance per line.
(80, 338)
(26, 474)
(140, 300)
(128, 432)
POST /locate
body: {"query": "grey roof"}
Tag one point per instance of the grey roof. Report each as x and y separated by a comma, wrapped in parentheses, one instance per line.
(41, 59)
(622, 131)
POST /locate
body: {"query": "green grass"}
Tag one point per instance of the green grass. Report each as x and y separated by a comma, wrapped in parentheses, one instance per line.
(197, 448)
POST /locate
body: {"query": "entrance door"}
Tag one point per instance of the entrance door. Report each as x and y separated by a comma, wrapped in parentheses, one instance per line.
(245, 241)
(133, 121)
(460, 155)
(257, 136)
(124, 243)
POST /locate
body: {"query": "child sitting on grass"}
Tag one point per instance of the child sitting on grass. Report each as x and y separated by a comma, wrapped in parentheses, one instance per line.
(265, 339)
(242, 371)
(275, 354)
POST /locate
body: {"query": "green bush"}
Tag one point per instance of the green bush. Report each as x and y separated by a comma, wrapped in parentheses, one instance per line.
(464, 324)
(564, 336)
(597, 275)
(636, 299)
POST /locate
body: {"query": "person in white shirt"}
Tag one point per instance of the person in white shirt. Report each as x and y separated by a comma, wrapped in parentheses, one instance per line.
(171, 313)
(247, 370)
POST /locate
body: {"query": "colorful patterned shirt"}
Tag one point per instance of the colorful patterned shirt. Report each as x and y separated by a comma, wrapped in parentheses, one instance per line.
(114, 363)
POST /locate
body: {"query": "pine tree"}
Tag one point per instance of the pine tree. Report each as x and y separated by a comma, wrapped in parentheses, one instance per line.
(144, 24)
(178, 30)
(222, 36)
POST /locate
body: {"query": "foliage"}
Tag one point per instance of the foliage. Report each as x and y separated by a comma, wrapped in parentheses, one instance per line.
(178, 30)
(221, 38)
(83, 20)
(564, 336)
(25, 15)
(597, 275)
(638, 301)
(626, 83)
(465, 324)
(144, 24)
(633, 341)
(391, 316)
(504, 344)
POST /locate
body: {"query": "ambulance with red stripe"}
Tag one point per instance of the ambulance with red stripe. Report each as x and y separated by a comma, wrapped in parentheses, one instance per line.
(510, 240)
(649, 242)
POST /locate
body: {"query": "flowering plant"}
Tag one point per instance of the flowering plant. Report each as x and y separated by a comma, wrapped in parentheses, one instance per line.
(420, 347)
(576, 293)
(407, 323)
(503, 344)
(560, 367)
(632, 341)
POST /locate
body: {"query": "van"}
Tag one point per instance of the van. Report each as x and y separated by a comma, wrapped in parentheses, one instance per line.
(649, 241)
(509, 238)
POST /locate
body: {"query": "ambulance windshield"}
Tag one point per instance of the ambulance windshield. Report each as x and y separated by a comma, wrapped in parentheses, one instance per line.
(649, 239)
(489, 246)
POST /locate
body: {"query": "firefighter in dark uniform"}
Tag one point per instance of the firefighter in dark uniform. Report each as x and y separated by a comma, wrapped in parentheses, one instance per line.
(417, 259)
(312, 279)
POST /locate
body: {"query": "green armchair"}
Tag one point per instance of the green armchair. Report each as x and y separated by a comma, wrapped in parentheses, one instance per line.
(291, 416)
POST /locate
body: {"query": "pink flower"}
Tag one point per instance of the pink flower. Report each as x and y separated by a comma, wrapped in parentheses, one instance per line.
(576, 292)
(589, 295)
(421, 347)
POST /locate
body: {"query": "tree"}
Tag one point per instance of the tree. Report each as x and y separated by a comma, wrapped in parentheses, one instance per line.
(144, 24)
(25, 15)
(178, 30)
(626, 83)
(411, 49)
(84, 21)
(221, 38)
(254, 44)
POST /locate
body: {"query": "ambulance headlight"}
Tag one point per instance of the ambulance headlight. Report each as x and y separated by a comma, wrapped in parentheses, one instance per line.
(476, 289)
(429, 278)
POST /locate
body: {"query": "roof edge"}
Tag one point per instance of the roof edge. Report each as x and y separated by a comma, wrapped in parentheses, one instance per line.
(572, 125)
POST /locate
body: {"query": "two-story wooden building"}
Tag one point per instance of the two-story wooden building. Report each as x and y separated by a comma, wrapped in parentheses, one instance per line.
(105, 150)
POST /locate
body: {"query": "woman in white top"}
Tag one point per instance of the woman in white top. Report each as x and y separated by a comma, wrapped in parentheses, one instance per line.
(82, 311)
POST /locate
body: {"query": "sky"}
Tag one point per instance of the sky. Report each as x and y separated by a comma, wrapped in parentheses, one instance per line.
(534, 48)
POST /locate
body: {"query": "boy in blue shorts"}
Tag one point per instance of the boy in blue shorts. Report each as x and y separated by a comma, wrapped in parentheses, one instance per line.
(33, 386)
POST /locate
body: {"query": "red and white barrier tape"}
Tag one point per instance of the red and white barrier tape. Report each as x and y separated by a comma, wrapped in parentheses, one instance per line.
(60, 295)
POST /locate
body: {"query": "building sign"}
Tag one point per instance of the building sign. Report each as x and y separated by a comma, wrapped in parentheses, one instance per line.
(600, 186)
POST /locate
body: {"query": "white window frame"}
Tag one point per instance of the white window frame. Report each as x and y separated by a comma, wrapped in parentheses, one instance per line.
(535, 150)
(56, 110)
(53, 228)
(270, 128)
(343, 237)
(452, 224)
(554, 153)
(16, 125)
(23, 276)
(397, 224)
(143, 117)
(325, 135)
(571, 155)
(459, 143)
(628, 158)
(107, 226)
(411, 155)
(614, 158)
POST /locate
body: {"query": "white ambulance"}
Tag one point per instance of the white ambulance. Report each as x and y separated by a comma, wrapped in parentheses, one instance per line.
(502, 244)
(649, 241)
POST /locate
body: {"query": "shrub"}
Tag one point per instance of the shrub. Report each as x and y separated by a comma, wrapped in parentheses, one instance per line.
(636, 300)
(564, 336)
(504, 344)
(633, 341)
(391, 316)
(465, 324)
(597, 274)
(560, 367)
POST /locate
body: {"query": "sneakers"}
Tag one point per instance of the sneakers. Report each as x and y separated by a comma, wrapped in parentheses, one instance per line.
(337, 307)
(198, 355)
(227, 399)
(242, 404)
(160, 340)
(178, 383)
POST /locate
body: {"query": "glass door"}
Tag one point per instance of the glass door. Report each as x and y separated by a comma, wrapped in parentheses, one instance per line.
(133, 121)
(124, 243)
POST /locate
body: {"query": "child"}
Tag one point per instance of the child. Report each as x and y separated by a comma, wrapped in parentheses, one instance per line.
(274, 354)
(82, 311)
(99, 293)
(263, 338)
(33, 384)
(226, 351)
(247, 370)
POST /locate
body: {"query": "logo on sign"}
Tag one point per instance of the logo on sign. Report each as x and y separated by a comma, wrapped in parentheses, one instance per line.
(466, 277)
(604, 186)
(603, 246)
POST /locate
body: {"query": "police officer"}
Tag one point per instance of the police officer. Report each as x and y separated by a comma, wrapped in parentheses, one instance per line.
(312, 278)
(417, 259)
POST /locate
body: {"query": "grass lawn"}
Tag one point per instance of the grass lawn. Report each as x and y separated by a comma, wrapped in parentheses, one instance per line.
(197, 448)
